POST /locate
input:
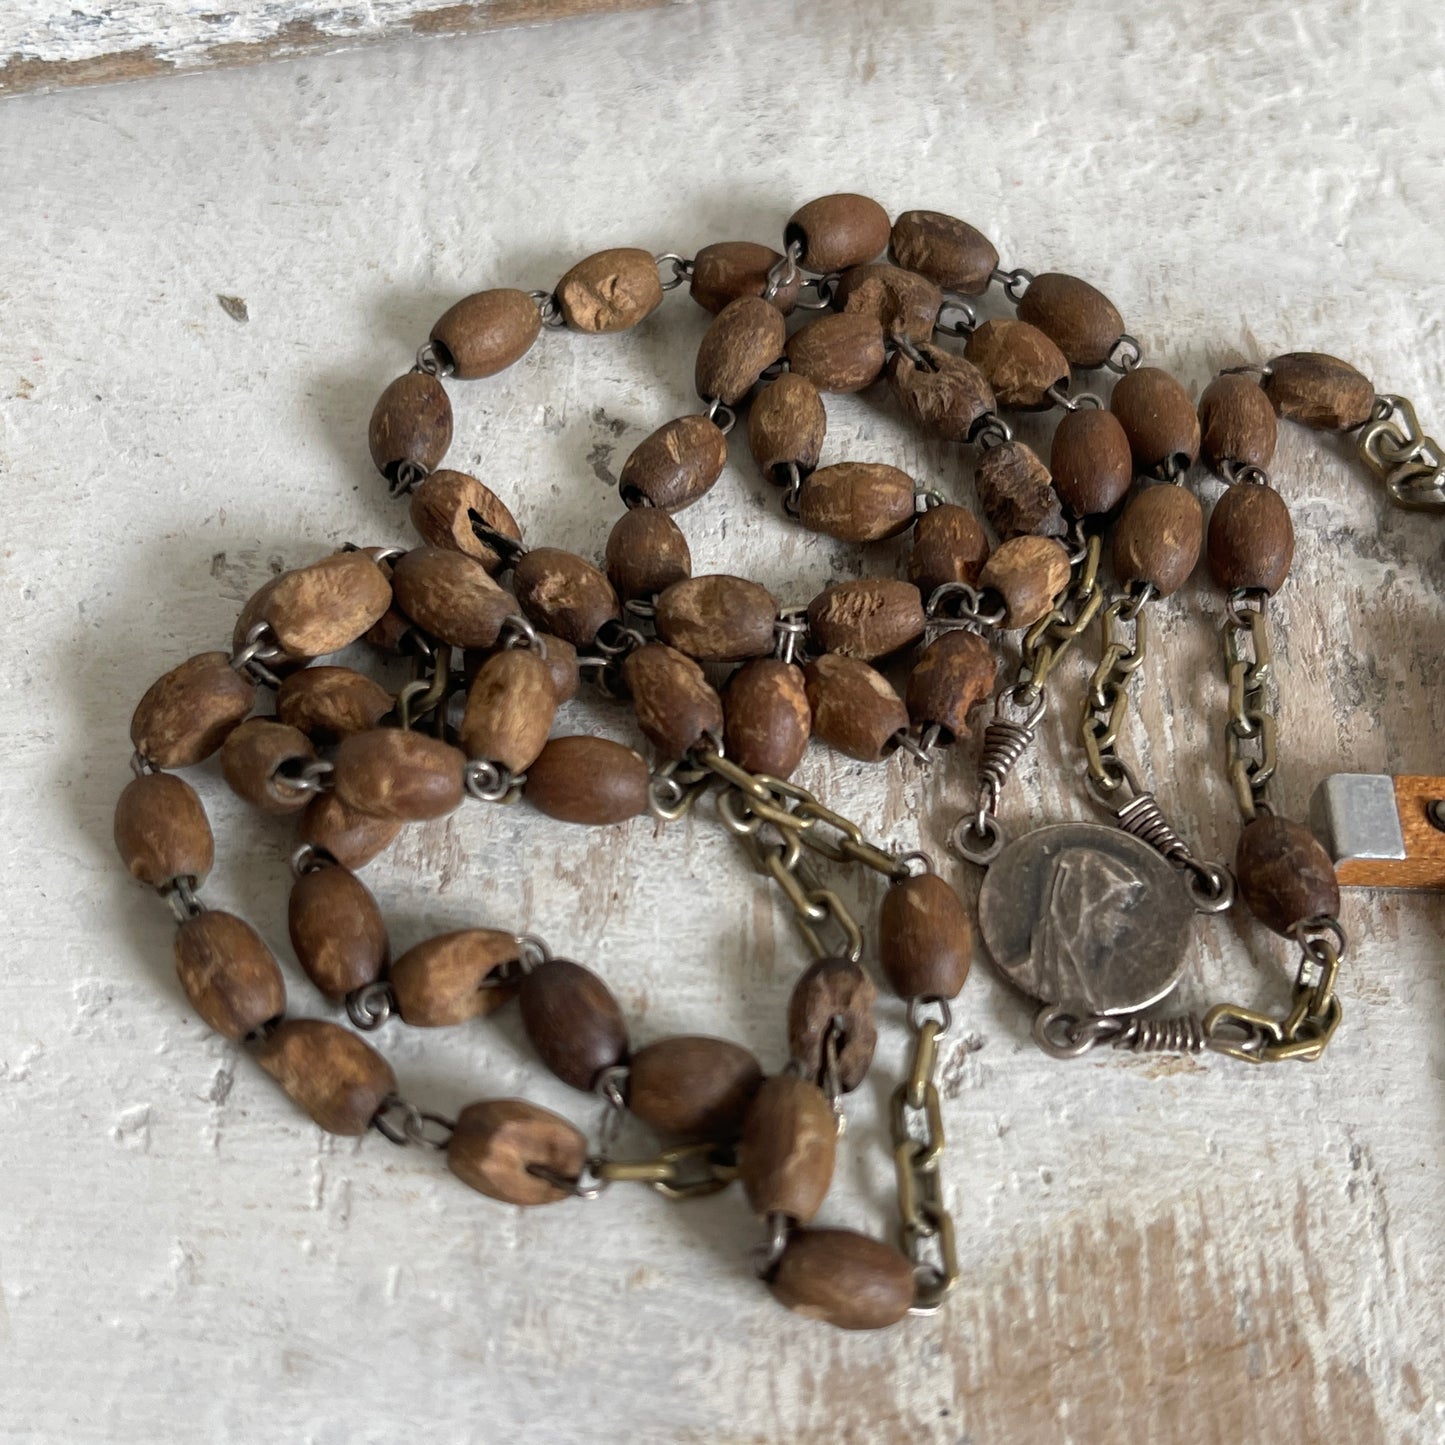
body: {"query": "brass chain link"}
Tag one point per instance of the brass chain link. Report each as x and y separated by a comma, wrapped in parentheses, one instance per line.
(1250, 733)
(1106, 699)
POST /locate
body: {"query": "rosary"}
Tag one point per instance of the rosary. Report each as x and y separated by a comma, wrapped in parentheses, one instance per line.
(1090, 920)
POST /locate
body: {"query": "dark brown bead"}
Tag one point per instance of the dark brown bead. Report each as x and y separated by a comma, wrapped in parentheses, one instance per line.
(1017, 493)
(411, 425)
(259, 760)
(1319, 391)
(857, 501)
(397, 774)
(953, 674)
(326, 606)
(442, 510)
(190, 711)
(786, 424)
(766, 718)
(675, 466)
(452, 978)
(516, 1151)
(946, 250)
(1158, 538)
(902, 302)
(1092, 465)
(161, 832)
(1019, 361)
(717, 618)
(693, 1087)
(327, 703)
(834, 996)
(1285, 875)
(573, 1021)
(838, 353)
(562, 664)
(1237, 423)
(855, 710)
(949, 545)
(869, 617)
(646, 554)
(1251, 539)
(838, 231)
(337, 1078)
(925, 941)
(352, 837)
(610, 291)
(745, 339)
(1081, 321)
(591, 780)
(949, 396)
(790, 1140)
(450, 596)
(1159, 420)
(1028, 573)
(509, 711)
(677, 708)
(337, 931)
(726, 270)
(564, 593)
(845, 1279)
(487, 332)
(231, 978)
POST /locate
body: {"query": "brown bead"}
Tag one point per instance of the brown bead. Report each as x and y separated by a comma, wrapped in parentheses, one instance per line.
(838, 231)
(610, 291)
(1251, 539)
(326, 606)
(675, 466)
(397, 774)
(790, 1139)
(564, 593)
(260, 757)
(953, 674)
(515, 1151)
(838, 353)
(855, 710)
(946, 250)
(450, 596)
(1017, 493)
(646, 554)
(189, 712)
(1091, 462)
(1019, 361)
(766, 718)
(677, 708)
(573, 1021)
(411, 425)
(786, 424)
(441, 512)
(1159, 420)
(869, 617)
(450, 978)
(949, 545)
(352, 837)
(834, 995)
(949, 396)
(1081, 321)
(925, 941)
(744, 340)
(902, 302)
(1285, 875)
(509, 711)
(693, 1087)
(1319, 391)
(337, 1078)
(1237, 423)
(844, 1279)
(1028, 573)
(161, 832)
(1158, 538)
(327, 703)
(231, 978)
(562, 664)
(857, 501)
(337, 931)
(252, 614)
(487, 332)
(717, 618)
(584, 779)
(726, 270)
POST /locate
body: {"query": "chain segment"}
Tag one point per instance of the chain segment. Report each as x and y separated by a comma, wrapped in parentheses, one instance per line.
(1394, 446)
(1250, 733)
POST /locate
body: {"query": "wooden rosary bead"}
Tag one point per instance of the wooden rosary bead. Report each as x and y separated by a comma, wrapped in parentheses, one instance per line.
(646, 554)
(1285, 874)
(786, 424)
(677, 707)
(450, 596)
(1319, 391)
(902, 302)
(326, 606)
(411, 425)
(1158, 538)
(945, 249)
(487, 332)
(845, 1279)
(564, 593)
(1091, 462)
(1017, 493)
(869, 617)
(1020, 363)
(336, 1077)
(327, 703)
(949, 545)
(838, 353)
(258, 757)
(189, 712)
(1251, 539)
(953, 674)
(1080, 320)
(398, 774)
(562, 664)
(717, 618)
(789, 1143)
(766, 718)
(1237, 422)
(745, 339)
(231, 978)
(855, 710)
(693, 1087)
(161, 831)
(509, 711)
(1159, 420)
(726, 270)
(352, 837)
(1028, 573)
(925, 941)
(442, 508)
(337, 931)
(449, 979)
(674, 466)
(857, 501)
(948, 396)
(838, 231)
(610, 291)
(591, 780)
(835, 995)
(515, 1151)
(573, 1021)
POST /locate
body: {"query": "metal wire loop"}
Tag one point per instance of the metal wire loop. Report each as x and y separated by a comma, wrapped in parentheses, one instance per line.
(180, 896)
(1014, 282)
(258, 648)
(492, 782)
(412, 1125)
(1125, 354)
(717, 407)
(784, 271)
(963, 309)
(824, 289)
(406, 477)
(550, 308)
(308, 858)
(977, 838)
(433, 359)
(518, 632)
(682, 267)
(371, 1005)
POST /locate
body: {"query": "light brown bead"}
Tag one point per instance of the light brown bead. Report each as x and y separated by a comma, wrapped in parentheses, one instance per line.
(1284, 873)
(397, 774)
(1237, 423)
(1080, 320)
(925, 941)
(516, 1151)
(337, 931)
(1017, 493)
(902, 302)
(564, 593)
(868, 617)
(487, 332)
(717, 618)
(591, 780)
(834, 996)
(766, 718)
(259, 757)
(786, 424)
(441, 512)
(451, 978)
(646, 553)
(726, 270)
(693, 1087)
(1091, 462)
(326, 606)
(949, 545)
(231, 978)
(410, 425)
(161, 832)
(745, 339)
(790, 1140)
(610, 291)
(352, 837)
(677, 708)
(327, 703)
(573, 1021)
(674, 466)
(1028, 573)
(838, 231)
(945, 249)
(1319, 391)
(855, 709)
(1158, 538)
(949, 396)
(953, 674)
(189, 712)
(1251, 539)
(337, 1078)
(845, 1279)
(562, 664)
(857, 501)
(1159, 420)
(450, 596)
(838, 353)
(509, 711)
(1019, 361)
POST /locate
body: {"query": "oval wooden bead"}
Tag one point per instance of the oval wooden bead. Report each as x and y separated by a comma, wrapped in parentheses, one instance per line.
(1284, 873)
(444, 980)
(1017, 493)
(1159, 420)
(190, 711)
(516, 1151)
(766, 718)
(868, 617)
(745, 339)
(1237, 422)
(717, 618)
(838, 353)
(584, 779)
(1028, 573)
(789, 1143)
(945, 249)
(1158, 538)
(857, 501)
(1251, 539)
(833, 995)
(337, 931)
(451, 597)
(693, 1087)
(256, 760)
(509, 711)
(925, 941)
(161, 831)
(610, 291)
(845, 1279)
(677, 708)
(327, 703)
(352, 837)
(487, 332)
(838, 231)
(855, 710)
(1091, 461)
(231, 978)
(441, 511)
(646, 554)
(564, 593)
(410, 425)
(786, 424)
(674, 466)
(328, 605)
(902, 302)
(949, 545)
(953, 674)
(949, 396)
(1020, 363)
(1080, 320)
(1319, 391)
(562, 664)
(573, 1021)
(337, 1078)
(726, 270)
(397, 774)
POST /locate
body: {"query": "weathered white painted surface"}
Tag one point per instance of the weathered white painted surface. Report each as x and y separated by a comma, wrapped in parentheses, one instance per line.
(1155, 1251)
